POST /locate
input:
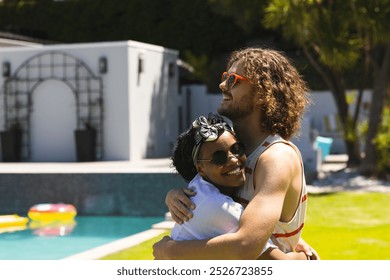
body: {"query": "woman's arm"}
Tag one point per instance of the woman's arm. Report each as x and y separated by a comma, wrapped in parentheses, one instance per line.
(256, 223)
(216, 214)
(179, 204)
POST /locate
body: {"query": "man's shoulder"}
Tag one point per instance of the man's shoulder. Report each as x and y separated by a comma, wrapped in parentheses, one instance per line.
(280, 159)
(279, 152)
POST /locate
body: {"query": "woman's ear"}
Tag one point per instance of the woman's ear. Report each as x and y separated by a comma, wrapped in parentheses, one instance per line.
(200, 168)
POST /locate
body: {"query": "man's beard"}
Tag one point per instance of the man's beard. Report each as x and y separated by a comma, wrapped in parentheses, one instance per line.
(236, 111)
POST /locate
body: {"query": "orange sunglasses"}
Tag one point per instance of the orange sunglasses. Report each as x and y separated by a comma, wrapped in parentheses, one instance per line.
(231, 79)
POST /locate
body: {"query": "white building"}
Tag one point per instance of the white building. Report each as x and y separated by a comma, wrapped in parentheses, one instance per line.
(127, 91)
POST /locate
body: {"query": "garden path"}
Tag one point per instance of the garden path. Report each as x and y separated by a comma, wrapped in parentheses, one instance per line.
(334, 176)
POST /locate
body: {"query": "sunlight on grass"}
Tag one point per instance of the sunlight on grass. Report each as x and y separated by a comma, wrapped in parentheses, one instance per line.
(142, 251)
(349, 226)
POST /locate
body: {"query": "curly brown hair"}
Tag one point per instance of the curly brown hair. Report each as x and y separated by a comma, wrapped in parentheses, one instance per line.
(279, 86)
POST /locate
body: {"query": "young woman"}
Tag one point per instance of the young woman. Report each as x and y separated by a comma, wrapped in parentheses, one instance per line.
(210, 158)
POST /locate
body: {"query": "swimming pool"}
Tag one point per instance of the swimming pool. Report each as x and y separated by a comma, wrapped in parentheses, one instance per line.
(86, 233)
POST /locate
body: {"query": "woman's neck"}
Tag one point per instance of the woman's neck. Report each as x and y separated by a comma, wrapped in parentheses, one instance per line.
(229, 191)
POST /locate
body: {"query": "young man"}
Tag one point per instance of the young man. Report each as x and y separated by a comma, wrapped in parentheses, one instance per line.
(212, 161)
(264, 97)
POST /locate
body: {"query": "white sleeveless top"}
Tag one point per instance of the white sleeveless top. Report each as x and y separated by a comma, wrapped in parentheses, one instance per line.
(285, 235)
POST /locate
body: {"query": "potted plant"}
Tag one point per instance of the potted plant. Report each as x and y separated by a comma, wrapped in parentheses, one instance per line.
(11, 143)
(86, 143)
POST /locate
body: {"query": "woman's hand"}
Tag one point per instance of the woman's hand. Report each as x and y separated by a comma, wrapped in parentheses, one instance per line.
(180, 205)
(311, 254)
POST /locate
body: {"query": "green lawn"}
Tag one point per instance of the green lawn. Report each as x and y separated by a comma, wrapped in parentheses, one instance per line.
(340, 226)
(349, 226)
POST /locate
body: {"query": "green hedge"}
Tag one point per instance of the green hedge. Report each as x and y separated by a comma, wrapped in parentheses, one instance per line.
(189, 25)
(200, 29)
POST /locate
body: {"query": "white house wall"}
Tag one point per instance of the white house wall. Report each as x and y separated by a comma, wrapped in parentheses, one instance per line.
(197, 102)
(153, 101)
(116, 125)
(132, 128)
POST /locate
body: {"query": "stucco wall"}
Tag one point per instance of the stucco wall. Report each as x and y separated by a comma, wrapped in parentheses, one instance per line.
(139, 111)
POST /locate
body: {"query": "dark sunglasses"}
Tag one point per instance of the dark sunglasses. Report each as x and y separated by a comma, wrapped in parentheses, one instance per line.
(231, 79)
(220, 157)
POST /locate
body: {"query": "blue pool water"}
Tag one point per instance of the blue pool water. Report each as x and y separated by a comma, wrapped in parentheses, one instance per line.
(52, 243)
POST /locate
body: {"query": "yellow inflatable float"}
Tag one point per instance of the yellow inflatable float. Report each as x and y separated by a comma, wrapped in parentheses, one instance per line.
(12, 221)
(52, 212)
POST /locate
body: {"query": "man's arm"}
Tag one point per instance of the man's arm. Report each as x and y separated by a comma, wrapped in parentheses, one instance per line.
(246, 243)
(272, 178)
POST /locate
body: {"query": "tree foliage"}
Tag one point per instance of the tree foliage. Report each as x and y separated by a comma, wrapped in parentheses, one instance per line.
(174, 24)
(319, 25)
(335, 36)
(189, 26)
(382, 142)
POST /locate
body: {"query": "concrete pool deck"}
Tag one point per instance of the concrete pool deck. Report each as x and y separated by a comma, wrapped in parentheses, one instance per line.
(140, 166)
